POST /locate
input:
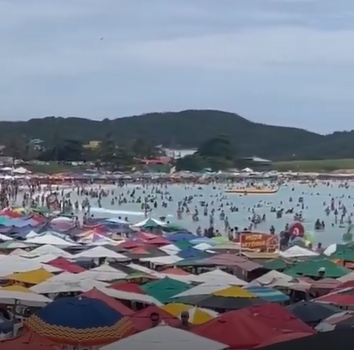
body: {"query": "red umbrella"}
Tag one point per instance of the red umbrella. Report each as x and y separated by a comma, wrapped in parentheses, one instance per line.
(127, 287)
(254, 325)
(343, 297)
(142, 321)
(66, 265)
(282, 338)
(28, 341)
(113, 303)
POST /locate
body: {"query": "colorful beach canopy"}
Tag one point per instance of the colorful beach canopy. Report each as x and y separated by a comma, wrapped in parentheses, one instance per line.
(268, 294)
(231, 298)
(165, 288)
(80, 321)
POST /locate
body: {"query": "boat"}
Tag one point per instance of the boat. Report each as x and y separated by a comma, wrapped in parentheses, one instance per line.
(252, 190)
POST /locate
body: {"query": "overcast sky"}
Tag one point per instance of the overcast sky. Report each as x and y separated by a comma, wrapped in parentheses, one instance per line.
(286, 62)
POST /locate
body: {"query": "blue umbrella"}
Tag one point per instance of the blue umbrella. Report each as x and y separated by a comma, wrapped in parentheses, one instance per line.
(191, 253)
(80, 321)
(181, 236)
(202, 240)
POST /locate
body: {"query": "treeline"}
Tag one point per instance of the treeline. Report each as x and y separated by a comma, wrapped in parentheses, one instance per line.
(217, 153)
(107, 154)
(186, 129)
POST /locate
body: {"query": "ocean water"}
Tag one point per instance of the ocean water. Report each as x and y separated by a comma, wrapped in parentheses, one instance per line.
(316, 199)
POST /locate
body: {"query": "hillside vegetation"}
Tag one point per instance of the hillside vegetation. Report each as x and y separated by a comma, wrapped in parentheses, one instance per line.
(187, 129)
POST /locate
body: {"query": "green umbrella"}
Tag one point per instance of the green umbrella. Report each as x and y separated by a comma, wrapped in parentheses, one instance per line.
(164, 289)
(311, 268)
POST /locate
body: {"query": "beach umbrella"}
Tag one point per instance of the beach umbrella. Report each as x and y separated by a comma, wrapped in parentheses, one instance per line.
(230, 298)
(181, 236)
(197, 315)
(311, 312)
(80, 321)
(271, 295)
(339, 339)
(341, 320)
(199, 240)
(164, 289)
(342, 297)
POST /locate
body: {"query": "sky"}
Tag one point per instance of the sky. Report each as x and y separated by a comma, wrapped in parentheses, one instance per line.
(281, 62)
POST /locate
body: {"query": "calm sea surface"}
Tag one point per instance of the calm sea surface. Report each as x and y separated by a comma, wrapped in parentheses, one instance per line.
(316, 199)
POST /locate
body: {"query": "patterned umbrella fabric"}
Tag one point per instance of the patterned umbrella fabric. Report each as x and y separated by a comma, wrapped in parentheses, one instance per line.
(80, 321)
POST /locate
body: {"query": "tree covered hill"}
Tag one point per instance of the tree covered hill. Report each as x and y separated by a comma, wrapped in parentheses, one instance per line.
(187, 129)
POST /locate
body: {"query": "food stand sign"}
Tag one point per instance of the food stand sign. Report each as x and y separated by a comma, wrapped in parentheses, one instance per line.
(259, 241)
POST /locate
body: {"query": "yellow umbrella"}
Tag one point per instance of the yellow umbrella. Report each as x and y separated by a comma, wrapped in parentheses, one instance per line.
(30, 277)
(197, 315)
(16, 288)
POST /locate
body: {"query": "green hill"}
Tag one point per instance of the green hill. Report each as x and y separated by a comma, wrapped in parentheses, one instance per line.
(188, 129)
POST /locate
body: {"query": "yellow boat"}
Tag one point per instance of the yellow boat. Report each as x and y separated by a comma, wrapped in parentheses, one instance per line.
(252, 190)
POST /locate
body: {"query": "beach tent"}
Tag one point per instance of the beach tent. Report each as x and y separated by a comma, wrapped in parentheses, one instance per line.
(165, 337)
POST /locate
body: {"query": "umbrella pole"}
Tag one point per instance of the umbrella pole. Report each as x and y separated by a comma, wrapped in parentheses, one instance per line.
(14, 313)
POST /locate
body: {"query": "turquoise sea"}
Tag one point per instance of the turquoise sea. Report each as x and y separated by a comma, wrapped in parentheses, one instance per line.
(315, 198)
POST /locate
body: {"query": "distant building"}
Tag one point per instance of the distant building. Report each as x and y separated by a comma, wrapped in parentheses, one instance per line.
(178, 153)
(254, 162)
(92, 145)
